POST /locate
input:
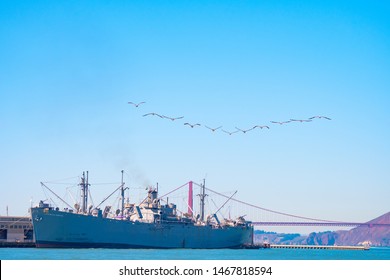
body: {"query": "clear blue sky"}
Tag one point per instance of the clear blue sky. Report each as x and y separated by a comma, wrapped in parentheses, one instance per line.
(68, 69)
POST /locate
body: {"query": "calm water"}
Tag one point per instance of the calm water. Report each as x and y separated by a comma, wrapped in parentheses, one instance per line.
(185, 254)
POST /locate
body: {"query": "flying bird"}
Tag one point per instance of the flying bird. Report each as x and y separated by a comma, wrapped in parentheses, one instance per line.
(230, 132)
(281, 122)
(152, 114)
(293, 120)
(246, 130)
(136, 104)
(213, 129)
(172, 119)
(192, 125)
(320, 117)
(261, 126)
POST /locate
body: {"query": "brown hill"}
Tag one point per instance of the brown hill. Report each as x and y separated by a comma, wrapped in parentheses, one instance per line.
(375, 236)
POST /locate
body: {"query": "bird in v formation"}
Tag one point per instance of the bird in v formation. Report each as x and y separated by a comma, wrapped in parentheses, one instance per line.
(280, 122)
(153, 114)
(172, 119)
(192, 125)
(213, 129)
(295, 120)
(245, 130)
(230, 132)
(320, 117)
(136, 104)
(261, 126)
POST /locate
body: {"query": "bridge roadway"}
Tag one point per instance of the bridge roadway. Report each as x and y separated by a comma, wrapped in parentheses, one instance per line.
(344, 224)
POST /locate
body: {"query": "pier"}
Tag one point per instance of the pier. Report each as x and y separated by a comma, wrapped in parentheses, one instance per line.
(5, 244)
(320, 247)
(255, 246)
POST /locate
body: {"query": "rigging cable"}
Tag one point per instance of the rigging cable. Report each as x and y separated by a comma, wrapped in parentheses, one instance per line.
(273, 211)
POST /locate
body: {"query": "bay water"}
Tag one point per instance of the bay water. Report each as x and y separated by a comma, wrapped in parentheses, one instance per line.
(375, 253)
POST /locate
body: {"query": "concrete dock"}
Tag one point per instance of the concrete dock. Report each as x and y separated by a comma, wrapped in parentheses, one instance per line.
(319, 247)
(17, 244)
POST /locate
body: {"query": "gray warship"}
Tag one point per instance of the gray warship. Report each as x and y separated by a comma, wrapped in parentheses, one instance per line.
(149, 224)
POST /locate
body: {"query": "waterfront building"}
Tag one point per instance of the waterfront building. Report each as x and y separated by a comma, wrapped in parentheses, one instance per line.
(16, 229)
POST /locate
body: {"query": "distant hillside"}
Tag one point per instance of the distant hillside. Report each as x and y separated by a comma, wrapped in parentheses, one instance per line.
(278, 238)
(374, 236)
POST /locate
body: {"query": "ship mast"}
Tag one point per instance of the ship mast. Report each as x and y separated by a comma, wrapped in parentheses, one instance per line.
(84, 192)
(202, 196)
(122, 195)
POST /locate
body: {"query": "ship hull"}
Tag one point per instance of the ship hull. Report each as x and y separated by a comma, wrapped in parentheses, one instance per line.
(57, 229)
